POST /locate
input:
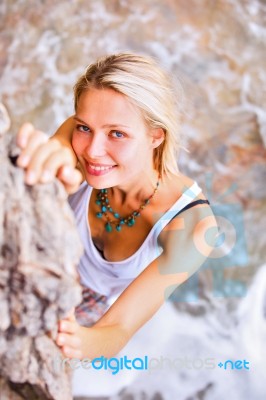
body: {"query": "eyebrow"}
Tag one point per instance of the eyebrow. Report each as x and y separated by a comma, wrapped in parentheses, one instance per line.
(104, 126)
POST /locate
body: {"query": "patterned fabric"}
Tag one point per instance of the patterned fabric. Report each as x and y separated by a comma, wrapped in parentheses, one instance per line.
(92, 307)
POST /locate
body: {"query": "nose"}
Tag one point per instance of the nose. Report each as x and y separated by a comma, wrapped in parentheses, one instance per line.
(96, 147)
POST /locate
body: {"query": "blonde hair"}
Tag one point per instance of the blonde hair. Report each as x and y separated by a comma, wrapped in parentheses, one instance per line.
(150, 89)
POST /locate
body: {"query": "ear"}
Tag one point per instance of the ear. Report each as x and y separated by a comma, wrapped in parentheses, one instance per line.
(158, 136)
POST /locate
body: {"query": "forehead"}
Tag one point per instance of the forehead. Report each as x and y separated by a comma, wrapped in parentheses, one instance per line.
(107, 105)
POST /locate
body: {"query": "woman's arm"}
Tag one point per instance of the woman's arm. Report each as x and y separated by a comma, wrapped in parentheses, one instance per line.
(64, 133)
(184, 252)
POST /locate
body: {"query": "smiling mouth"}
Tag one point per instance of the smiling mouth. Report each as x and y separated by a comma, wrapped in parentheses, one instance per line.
(101, 167)
(98, 169)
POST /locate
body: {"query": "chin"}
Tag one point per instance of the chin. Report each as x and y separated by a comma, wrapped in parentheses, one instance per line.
(99, 183)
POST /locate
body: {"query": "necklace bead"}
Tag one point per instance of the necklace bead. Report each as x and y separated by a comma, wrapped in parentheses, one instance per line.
(108, 227)
(103, 202)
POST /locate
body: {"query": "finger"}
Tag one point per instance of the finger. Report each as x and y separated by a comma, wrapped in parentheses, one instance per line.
(56, 158)
(71, 315)
(72, 353)
(71, 178)
(34, 140)
(24, 132)
(66, 326)
(36, 168)
(69, 340)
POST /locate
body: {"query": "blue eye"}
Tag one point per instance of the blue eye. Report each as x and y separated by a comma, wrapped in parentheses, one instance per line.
(117, 134)
(83, 128)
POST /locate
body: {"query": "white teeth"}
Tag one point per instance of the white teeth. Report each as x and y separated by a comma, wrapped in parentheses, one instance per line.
(99, 168)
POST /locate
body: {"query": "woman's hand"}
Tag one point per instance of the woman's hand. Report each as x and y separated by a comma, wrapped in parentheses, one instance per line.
(69, 337)
(44, 159)
(101, 339)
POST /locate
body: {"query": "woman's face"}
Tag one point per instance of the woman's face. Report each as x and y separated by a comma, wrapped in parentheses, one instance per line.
(111, 140)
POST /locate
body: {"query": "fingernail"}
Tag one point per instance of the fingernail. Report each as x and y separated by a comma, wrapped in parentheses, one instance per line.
(30, 177)
(66, 172)
(62, 326)
(46, 176)
(60, 340)
(22, 142)
(23, 161)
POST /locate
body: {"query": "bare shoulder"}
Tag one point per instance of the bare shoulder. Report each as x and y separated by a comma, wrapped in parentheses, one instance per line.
(173, 188)
(190, 225)
(184, 182)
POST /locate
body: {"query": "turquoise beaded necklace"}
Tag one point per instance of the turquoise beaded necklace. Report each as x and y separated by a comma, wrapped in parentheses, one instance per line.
(103, 202)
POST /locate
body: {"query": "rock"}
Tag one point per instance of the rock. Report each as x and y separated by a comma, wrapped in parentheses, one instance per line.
(40, 249)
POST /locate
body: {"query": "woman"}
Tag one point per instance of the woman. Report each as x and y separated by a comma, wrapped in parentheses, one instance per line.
(137, 250)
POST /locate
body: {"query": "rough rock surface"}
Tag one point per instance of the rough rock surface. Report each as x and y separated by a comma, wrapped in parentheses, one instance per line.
(40, 248)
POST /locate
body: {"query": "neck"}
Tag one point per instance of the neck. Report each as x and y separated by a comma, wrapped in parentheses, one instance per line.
(137, 189)
(128, 195)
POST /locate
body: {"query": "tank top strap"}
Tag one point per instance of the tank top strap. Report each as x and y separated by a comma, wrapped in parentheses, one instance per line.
(187, 197)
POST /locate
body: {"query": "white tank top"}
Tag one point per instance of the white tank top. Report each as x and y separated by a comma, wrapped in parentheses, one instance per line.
(110, 278)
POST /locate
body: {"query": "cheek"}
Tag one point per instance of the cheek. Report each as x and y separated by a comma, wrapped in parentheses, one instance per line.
(77, 143)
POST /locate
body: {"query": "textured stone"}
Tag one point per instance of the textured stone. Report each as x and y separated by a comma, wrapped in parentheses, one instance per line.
(40, 249)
